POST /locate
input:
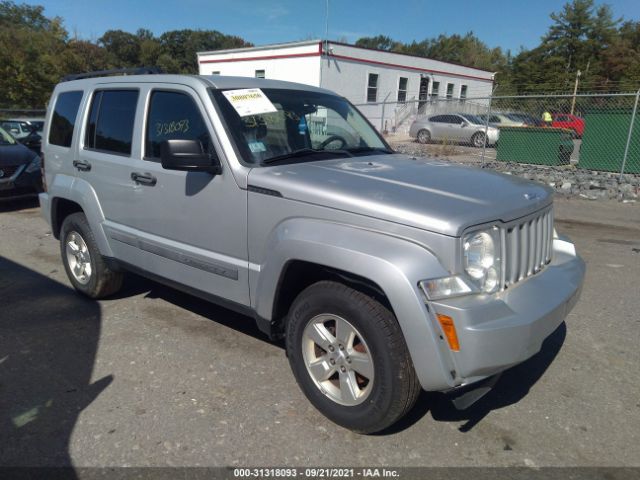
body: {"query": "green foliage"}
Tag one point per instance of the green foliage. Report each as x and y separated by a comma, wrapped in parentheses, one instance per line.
(31, 50)
(582, 37)
(463, 49)
(380, 42)
(36, 52)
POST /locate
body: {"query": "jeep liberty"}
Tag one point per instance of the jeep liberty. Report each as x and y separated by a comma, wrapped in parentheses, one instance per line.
(385, 274)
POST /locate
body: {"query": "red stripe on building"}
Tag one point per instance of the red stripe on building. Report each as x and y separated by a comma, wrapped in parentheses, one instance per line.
(344, 57)
(268, 57)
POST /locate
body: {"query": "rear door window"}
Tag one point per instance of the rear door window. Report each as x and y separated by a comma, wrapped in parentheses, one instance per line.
(111, 120)
(174, 115)
(64, 116)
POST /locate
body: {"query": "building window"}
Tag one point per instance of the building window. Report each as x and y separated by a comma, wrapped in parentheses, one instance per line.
(402, 89)
(449, 90)
(217, 72)
(435, 89)
(259, 73)
(463, 93)
(372, 88)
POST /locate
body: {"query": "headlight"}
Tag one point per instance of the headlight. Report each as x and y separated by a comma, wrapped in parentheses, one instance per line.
(34, 166)
(482, 260)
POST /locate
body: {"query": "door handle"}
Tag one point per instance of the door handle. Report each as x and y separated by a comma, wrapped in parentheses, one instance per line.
(144, 178)
(82, 165)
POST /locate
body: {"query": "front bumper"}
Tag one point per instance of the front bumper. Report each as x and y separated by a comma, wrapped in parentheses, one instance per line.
(498, 331)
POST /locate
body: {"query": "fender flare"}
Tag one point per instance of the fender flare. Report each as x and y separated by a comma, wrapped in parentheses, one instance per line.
(81, 192)
(395, 264)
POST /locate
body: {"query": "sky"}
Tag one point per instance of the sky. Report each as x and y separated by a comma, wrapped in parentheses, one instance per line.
(510, 24)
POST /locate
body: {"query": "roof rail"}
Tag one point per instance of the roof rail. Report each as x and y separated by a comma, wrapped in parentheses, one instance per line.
(116, 71)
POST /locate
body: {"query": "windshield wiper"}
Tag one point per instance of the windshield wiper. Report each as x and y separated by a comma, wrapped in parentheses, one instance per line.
(303, 152)
(368, 149)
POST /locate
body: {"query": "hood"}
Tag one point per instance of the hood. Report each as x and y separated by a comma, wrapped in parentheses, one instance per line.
(435, 196)
(18, 154)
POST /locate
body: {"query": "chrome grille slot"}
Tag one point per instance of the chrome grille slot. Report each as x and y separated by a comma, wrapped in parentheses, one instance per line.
(528, 247)
(9, 170)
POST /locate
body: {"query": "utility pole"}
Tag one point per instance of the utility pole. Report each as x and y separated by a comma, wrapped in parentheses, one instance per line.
(575, 91)
(325, 43)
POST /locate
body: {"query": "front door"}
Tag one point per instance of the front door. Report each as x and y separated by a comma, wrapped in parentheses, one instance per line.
(195, 223)
(423, 92)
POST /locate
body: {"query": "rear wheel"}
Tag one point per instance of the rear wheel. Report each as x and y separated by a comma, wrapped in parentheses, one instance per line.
(87, 271)
(349, 357)
(478, 139)
(424, 136)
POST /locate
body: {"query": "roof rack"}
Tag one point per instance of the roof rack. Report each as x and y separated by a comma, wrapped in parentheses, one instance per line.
(116, 71)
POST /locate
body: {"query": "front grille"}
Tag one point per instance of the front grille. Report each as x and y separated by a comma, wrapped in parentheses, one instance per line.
(8, 171)
(528, 247)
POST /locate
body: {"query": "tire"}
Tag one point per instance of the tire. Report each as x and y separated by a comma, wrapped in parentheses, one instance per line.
(87, 271)
(424, 136)
(478, 139)
(387, 388)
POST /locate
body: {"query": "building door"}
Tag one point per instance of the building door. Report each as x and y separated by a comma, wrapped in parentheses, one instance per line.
(423, 92)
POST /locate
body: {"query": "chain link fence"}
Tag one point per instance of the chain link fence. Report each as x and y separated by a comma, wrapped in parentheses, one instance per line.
(595, 132)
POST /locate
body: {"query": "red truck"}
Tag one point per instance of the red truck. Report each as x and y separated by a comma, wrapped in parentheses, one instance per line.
(570, 122)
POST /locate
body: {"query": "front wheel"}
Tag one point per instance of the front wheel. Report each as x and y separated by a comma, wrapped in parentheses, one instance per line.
(350, 358)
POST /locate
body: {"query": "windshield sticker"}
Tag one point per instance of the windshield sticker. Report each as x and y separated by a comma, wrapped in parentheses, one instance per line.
(249, 101)
(257, 147)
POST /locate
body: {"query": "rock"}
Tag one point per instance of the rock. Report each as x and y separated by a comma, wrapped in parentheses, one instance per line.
(566, 186)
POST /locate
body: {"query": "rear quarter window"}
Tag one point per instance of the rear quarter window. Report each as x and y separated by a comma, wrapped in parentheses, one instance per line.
(64, 117)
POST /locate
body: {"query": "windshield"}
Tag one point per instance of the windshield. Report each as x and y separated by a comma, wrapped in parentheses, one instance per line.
(473, 119)
(5, 138)
(301, 125)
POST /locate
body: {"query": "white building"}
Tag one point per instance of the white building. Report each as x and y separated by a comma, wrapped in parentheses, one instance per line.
(387, 87)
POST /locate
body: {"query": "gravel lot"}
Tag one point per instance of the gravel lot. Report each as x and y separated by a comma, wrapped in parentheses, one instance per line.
(154, 377)
(567, 180)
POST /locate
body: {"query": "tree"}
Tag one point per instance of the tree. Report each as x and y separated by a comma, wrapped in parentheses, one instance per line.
(179, 47)
(31, 47)
(123, 48)
(379, 42)
(465, 49)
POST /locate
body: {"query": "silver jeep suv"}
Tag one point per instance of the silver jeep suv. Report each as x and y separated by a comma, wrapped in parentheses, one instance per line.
(385, 274)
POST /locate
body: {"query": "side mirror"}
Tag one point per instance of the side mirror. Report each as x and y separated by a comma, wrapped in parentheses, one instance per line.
(463, 124)
(189, 156)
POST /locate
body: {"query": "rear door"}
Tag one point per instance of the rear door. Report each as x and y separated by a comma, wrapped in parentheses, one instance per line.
(108, 147)
(189, 227)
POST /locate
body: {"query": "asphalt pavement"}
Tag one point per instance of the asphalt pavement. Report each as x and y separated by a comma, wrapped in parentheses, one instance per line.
(155, 377)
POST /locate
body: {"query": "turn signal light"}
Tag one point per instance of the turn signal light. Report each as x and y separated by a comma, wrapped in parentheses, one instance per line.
(449, 330)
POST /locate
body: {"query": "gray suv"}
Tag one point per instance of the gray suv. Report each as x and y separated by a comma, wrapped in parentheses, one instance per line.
(385, 274)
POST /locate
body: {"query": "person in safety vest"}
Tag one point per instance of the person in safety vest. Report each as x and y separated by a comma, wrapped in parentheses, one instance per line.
(547, 118)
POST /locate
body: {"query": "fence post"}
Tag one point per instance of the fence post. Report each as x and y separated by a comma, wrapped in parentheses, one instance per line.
(626, 148)
(486, 123)
(382, 119)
